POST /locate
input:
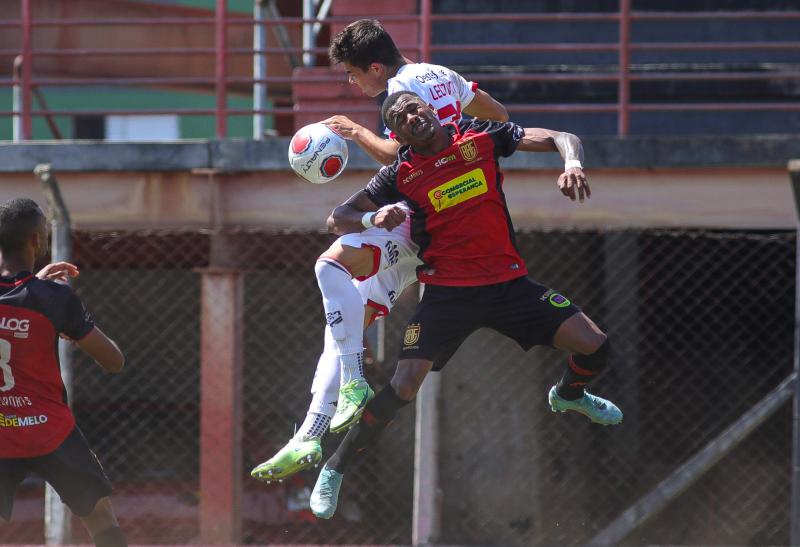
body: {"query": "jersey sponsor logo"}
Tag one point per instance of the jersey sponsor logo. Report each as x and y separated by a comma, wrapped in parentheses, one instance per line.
(468, 149)
(555, 299)
(15, 401)
(429, 75)
(411, 336)
(11, 420)
(412, 176)
(19, 327)
(444, 160)
(458, 190)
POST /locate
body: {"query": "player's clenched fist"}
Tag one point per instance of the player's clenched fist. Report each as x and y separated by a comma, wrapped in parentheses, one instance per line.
(389, 217)
(572, 183)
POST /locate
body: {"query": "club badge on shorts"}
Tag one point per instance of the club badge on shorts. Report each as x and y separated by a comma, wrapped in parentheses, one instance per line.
(412, 334)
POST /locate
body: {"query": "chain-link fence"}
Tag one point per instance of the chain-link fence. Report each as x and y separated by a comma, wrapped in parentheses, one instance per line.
(702, 328)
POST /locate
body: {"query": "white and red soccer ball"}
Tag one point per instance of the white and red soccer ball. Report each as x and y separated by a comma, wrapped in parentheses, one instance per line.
(317, 153)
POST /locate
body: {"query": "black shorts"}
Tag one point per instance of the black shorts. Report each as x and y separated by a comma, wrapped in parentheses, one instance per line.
(72, 470)
(521, 309)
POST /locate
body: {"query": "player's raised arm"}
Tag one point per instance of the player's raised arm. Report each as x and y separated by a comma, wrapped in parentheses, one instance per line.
(103, 350)
(572, 182)
(486, 107)
(384, 151)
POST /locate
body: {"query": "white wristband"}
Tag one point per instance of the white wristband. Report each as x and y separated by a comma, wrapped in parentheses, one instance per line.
(366, 220)
(569, 164)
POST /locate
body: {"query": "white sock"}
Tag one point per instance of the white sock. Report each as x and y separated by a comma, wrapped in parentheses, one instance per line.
(324, 391)
(344, 313)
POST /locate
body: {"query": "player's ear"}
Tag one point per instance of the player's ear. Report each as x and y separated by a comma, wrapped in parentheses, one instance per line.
(377, 68)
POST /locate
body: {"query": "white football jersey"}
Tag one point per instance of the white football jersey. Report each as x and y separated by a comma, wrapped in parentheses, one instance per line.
(445, 90)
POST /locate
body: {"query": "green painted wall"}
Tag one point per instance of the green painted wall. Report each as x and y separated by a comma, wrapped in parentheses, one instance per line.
(74, 99)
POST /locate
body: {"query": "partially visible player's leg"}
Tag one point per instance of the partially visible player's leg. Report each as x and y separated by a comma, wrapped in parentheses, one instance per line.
(76, 475)
(378, 414)
(344, 312)
(304, 449)
(589, 350)
(102, 525)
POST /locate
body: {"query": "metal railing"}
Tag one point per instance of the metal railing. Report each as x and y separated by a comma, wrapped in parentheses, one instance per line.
(26, 82)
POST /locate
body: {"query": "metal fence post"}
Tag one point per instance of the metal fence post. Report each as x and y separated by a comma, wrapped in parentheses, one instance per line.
(794, 173)
(221, 364)
(220, 69)
(57, 520)
(623, 114)
(27, 71)
(259, 68)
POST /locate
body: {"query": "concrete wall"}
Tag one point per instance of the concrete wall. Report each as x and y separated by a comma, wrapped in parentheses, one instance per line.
(727, 182)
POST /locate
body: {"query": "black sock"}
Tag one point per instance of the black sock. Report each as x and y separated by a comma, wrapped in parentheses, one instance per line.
(377, 415)
(112, 537)
(580, 370)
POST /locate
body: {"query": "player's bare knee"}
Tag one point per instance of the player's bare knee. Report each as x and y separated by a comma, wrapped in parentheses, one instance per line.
(101, 518)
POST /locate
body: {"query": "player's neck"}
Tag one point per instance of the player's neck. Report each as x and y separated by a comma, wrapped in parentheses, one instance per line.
(440, 141)
(11, 265)
(391, 71)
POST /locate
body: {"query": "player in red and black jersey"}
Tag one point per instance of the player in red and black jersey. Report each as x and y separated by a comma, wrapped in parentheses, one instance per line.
(38, 433)
(475, 277)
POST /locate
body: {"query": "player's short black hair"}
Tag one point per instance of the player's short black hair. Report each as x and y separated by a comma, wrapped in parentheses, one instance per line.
(389, 103)
(19, 218)
(362, 43)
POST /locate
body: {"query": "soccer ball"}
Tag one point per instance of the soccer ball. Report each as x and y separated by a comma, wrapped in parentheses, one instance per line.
(317, 153)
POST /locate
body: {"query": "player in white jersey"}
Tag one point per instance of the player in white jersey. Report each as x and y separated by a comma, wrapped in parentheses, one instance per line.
(373, 63)
(391, 275)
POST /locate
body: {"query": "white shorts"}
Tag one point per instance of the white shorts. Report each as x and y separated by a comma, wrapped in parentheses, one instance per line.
(395, 265)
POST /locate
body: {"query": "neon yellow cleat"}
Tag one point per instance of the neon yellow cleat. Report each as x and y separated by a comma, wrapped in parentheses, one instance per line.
(298, 454)
(353, 398)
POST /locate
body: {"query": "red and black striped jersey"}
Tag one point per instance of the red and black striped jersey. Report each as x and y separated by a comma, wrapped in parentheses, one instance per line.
(460, 219)
(34, 416)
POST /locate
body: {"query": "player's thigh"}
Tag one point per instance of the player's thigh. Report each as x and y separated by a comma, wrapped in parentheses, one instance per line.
(530, 313)
(443, 319)
(75, 473)
(12, 473)
(358, 260)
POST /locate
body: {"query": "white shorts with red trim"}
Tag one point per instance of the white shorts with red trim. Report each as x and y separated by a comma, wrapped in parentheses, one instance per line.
(395, 265)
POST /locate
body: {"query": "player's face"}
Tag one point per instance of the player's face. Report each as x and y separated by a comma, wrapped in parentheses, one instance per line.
(371, 81)
(413, 122)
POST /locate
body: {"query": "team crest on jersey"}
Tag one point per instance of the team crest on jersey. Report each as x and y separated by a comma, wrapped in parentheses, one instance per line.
(468, 149)
(458, 190)
(412, 334)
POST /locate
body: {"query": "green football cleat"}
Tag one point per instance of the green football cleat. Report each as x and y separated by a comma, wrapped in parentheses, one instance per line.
(298, 454)
(353, 398)
(597, 409)
(326, 493)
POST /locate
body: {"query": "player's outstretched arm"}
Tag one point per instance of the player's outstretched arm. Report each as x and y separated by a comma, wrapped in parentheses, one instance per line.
(103, 350)
(384, 151)
(572, 182)
(58, 271)
(359, 212)
(485, 107)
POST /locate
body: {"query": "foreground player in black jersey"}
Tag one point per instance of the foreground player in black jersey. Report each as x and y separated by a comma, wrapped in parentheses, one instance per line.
(450, 177)
(38, 434)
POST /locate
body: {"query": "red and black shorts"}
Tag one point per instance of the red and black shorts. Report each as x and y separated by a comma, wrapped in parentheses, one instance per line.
(72, 470)
(521, 309)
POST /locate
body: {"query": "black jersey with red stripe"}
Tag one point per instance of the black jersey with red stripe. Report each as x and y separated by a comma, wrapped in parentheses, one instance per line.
(34, 416)
(460, 219)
